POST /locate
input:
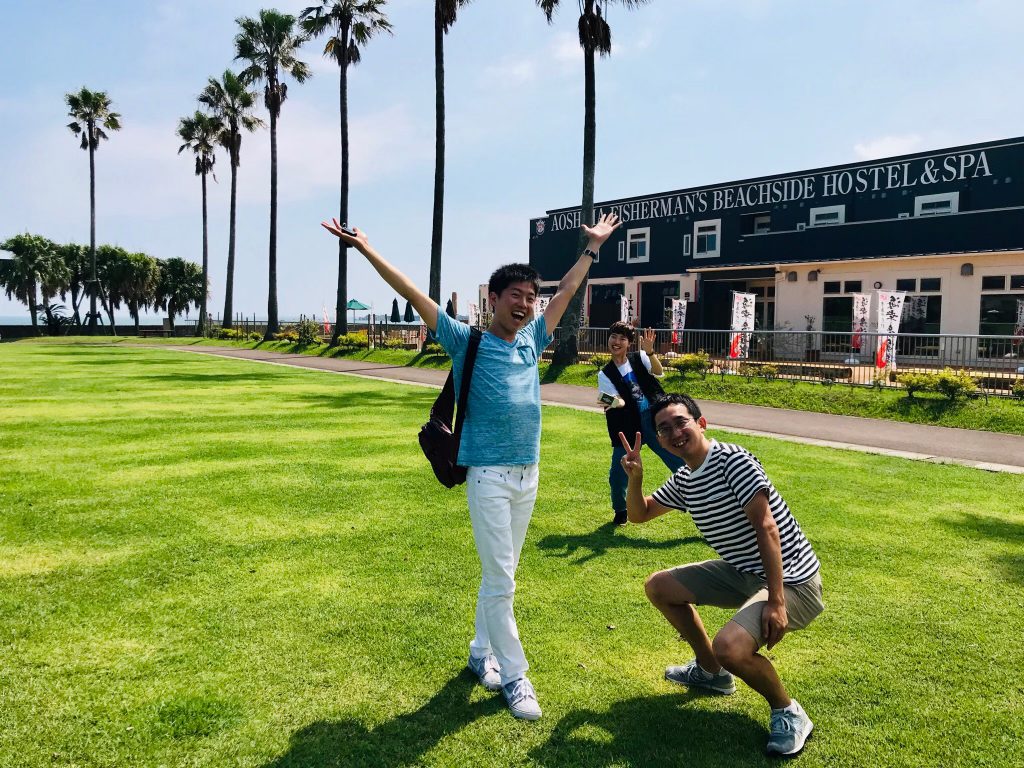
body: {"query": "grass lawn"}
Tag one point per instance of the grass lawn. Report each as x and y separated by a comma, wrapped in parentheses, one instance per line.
(997, 414)
(208, 562)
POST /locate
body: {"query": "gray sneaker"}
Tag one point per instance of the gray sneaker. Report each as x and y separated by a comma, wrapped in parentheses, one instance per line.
(522, 700)
(487, 670)
(693, 676)
(789, 732)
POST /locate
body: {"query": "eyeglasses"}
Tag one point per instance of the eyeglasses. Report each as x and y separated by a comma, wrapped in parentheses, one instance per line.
(667, 428)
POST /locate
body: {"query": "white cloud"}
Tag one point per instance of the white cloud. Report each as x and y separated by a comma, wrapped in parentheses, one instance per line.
(887, 146)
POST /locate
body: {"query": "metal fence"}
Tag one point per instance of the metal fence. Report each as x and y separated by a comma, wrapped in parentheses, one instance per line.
(996, 362)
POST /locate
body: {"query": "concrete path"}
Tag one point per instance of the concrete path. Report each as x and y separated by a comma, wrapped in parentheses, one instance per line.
(984, 450)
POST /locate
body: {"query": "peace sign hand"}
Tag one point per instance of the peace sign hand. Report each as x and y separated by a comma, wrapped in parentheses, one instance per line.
(631, 462)
(647, 342)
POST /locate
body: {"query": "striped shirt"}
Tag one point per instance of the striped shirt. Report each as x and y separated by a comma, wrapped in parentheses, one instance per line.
(715, 493)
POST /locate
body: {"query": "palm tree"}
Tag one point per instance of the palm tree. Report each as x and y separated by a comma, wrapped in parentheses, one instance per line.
(349, 24)
(595, 36)
(134, 280)
(35, 268)
(76, 259)
(91, 114)
(179, 286)
(445, 13)
(109, 264)
(201, 134)
(269, 44)
(232, 102)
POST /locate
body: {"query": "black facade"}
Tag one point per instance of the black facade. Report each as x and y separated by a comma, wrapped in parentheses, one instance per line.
(962, 199)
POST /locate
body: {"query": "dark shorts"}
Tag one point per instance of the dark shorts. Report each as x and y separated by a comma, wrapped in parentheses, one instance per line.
(715, 582)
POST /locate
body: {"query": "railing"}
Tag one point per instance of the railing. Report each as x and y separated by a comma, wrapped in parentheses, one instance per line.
(997, 362)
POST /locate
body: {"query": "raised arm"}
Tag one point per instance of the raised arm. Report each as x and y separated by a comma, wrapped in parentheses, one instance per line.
(596, 235)
(639, 508)
(423, 304)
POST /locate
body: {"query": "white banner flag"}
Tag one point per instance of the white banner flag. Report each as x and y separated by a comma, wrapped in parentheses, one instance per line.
(625, 308)
(861, 312)
(890, 309)
(540, 305)
(474, 314)
(678, 314)
(1018, 329)
(915, 308)
(742, 324)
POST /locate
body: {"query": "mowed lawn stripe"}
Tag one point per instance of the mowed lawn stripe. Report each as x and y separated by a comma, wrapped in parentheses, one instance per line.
(215, 562)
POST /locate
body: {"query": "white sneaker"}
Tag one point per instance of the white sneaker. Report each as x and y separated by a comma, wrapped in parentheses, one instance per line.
(522, 700)
(790, 729)
(487, 671)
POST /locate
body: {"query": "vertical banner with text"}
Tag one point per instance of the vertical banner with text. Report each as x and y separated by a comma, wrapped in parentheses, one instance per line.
(474, 314)
(625, 308)
(1018, 329)
(742, 324)
(890, 309)
(678, 318)
(540, 305)
(861, 312)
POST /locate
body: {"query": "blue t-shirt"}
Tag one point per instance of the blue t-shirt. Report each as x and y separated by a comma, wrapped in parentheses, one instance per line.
(503, 414)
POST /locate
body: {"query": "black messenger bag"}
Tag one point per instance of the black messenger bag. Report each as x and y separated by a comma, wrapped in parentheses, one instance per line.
(440, 445)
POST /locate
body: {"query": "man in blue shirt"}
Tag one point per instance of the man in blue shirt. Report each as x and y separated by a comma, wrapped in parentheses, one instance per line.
(500, 441)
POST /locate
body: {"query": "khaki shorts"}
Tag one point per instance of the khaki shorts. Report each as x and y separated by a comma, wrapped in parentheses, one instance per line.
(715, 582)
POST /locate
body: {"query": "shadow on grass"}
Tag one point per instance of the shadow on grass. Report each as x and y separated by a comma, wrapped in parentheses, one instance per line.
(379, 401)
(1006, 531)
(654, 731)
(600, 541)
(399, 742)
(553, 372)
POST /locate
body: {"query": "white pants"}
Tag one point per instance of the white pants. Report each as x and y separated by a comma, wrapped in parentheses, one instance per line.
(500, 506)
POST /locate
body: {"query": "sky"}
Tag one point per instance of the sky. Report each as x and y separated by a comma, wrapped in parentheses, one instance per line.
(695, 92)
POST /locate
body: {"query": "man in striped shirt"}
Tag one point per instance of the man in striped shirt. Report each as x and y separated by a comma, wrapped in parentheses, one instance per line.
(767, 569)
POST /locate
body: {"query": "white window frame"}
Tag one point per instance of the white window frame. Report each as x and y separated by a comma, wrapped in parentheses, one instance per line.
(762, 218)
(686, 245)
(953, 198)
(839, 210)
(640, 234)
(697, 225)
(622, 250)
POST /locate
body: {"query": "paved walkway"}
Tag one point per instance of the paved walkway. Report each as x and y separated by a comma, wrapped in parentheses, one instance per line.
(985, 450)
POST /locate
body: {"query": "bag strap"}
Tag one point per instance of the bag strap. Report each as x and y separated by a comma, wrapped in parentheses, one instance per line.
(467, 377)
(443, 409)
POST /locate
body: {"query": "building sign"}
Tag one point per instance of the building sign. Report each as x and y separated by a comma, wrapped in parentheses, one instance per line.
(890, 309)
(861, 311)
(919, 174)
(742, 324)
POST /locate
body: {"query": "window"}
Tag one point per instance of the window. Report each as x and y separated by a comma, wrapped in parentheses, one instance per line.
(622, 251)
(706, 235)
(686, 245)
(832, 214)
(908, 284)
(931, 284)
(998, 314)
(837, 314)
(993, 283)
(831, 286)
(937, 205)
(638, 245)
(851, 286)
(1017, 282)
(762, 224)
(922, 316)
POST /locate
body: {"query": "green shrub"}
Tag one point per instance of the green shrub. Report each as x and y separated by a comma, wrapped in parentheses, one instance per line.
(698, 362)
(770, 372)
(600, 360)
(1018, 389)
(291, 336)
(351, 341)
(255, 336)
(392, 342)
(747, 370)
(917, 382)
(308, 332)
(955, 385)
(230, 333)
(433, 348)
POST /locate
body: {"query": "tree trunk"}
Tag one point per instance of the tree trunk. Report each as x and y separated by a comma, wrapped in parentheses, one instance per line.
(92, 230)
(341, 312)
(172, 310)
(133, 308)
(201, 325)
(33, 306)
(229, 282)
(437, 227)
(272, 326)
(75, 301)
(566, 353)
(108, 307)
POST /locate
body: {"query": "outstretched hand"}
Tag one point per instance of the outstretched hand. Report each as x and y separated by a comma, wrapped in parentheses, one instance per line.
(631, 462)
(359, 240)
(602, 230)
(647, 341)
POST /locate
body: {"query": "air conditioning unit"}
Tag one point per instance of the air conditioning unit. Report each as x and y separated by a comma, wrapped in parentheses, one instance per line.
(801, 227)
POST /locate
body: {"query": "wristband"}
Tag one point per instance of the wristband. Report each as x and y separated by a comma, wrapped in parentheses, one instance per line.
(590, 253)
